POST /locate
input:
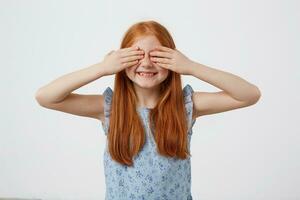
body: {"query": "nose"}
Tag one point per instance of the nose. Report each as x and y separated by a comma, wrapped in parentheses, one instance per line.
(145, 61)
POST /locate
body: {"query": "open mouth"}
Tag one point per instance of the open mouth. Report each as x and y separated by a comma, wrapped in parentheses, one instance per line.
(147, 74)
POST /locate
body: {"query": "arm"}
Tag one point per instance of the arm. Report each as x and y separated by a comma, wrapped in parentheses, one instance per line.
(57, 95)
(236, 92)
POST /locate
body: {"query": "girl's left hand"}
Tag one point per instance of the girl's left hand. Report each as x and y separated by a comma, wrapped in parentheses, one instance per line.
(171, 59)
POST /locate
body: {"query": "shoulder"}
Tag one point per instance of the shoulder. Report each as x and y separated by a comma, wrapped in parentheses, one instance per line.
(108, 91)
(107, 95)
(187, 93)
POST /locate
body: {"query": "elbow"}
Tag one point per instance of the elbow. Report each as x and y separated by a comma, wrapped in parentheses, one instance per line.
(254, 96)
(40, 98)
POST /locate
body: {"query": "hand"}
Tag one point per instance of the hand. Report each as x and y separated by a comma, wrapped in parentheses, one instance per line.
(116, 61)
(171, 59)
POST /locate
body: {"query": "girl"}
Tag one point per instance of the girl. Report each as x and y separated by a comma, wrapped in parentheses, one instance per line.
(148, 118)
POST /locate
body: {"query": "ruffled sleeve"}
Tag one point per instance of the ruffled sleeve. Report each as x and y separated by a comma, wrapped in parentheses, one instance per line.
(187, 93)
(107, 94)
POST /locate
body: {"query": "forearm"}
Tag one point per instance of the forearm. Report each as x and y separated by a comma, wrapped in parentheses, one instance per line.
(234, 85)
(58, 89)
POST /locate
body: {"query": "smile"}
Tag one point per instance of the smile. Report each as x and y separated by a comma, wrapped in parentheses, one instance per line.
(146, 75)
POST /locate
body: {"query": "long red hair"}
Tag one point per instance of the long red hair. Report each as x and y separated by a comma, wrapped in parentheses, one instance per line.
(168, 121)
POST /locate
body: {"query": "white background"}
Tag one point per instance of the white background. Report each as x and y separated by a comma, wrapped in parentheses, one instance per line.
(245, 154)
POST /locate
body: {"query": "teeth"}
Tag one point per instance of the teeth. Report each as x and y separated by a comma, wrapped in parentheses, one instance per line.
(146, 74)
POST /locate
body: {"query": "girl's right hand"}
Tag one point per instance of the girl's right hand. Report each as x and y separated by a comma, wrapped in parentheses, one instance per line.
(120, 59)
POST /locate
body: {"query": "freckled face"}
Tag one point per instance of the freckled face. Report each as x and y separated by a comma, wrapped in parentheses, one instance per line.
(146, 43)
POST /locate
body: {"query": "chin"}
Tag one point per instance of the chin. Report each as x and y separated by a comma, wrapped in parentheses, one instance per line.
(147, 82)
(146, 85)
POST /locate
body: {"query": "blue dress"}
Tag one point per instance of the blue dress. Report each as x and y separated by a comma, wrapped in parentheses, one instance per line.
(153, 176)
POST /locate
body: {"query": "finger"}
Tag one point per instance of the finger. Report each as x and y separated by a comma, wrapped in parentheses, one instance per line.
(129, 48)
(110, 52)
(160, 54)
(133, 48)
(129, 64)
(131, 58)
(132, 53)
(163, 48)
(166, 66)
(161, 60)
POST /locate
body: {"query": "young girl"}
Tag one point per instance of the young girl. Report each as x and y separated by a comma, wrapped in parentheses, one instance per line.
(148, 118)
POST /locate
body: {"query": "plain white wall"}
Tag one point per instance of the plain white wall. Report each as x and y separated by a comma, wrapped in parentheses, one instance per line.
(250, 153)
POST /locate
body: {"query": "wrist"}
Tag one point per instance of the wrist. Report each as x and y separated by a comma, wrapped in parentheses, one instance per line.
(192, 67)
(100, 69)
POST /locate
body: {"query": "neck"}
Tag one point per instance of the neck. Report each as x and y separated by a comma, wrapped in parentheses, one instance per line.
(147, 97)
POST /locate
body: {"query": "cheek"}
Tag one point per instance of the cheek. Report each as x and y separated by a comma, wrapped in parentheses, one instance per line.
(164, 72)
(129, 71)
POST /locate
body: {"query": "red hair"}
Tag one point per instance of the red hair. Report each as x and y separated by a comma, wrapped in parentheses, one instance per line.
(168, 121)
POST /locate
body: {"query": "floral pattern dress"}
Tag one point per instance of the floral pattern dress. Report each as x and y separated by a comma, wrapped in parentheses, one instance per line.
(152, 177)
